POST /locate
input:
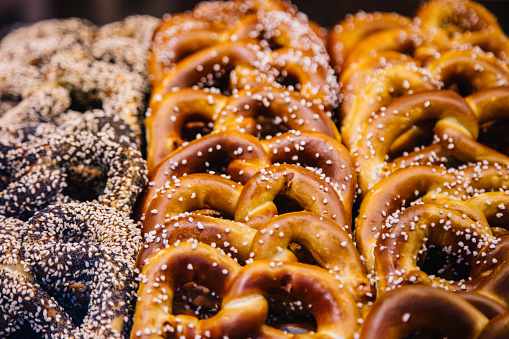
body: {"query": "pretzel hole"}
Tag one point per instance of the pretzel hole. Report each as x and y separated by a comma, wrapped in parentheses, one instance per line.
(196, 300)
(85, 101)
(85, 183)
(493, 134)
(195, 127)
(437, 262)
(461, 84)
(288, 80)
(8, 101)
(415, 137)
(287, 313)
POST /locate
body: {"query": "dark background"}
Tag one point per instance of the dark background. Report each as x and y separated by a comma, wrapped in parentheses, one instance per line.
(324, 12)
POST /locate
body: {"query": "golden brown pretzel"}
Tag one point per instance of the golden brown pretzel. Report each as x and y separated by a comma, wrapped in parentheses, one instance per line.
(468, 71)
(331, 246)
(286, 109)
(353, 29)
(412, 309)
(190, 193)
(318, 151)
(167, 119)
(256, 204)
(398, 189)
(452, 113)
(452, 23)
(400, 247)
(333, 308)
(241, 154)
(233, 238)
(169, 269)
(368, 95)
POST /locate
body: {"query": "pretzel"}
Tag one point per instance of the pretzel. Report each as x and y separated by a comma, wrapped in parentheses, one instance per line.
(412, 309)
(208, 155)
(170, 268)
(245, 112)
(401, 187)
(93, 247)
(377, 91)
(343, 38)
(322, 238)
(470, 70)
(190, 193)
(243, 292)
(256, 205)
(456, 128)
(316, 151)
(451, 23)
(430, 225)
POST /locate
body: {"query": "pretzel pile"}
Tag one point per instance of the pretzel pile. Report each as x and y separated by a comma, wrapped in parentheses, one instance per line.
(285, 182)
(250, 182)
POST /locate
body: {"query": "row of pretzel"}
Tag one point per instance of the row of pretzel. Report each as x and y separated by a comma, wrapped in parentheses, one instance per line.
(262, 220)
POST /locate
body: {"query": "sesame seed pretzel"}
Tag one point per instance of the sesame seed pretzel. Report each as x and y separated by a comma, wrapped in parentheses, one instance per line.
(84, 254)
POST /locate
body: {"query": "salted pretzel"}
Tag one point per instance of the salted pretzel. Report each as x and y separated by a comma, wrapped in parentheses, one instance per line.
(417, 309)
(368, 95)
(190, 193)
(316, 151)
(456, 128)
(243, 291)
(307, 189)
(241, 154)
(429, 225)
(260, 112)
(468, 71)
(330, 245)
(400, 188)
(286, 109)
(452, 23)
(50, 273)
(343, 38)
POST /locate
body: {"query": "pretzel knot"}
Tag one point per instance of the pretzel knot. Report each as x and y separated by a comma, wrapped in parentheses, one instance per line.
(302, 186)
(244, 292)
(65, 257)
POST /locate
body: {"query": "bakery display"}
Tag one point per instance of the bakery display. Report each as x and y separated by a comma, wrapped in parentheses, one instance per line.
(238, 171)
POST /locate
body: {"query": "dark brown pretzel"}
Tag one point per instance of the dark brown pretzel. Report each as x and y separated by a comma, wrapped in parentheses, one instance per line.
(255, 205)
(65, 257)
